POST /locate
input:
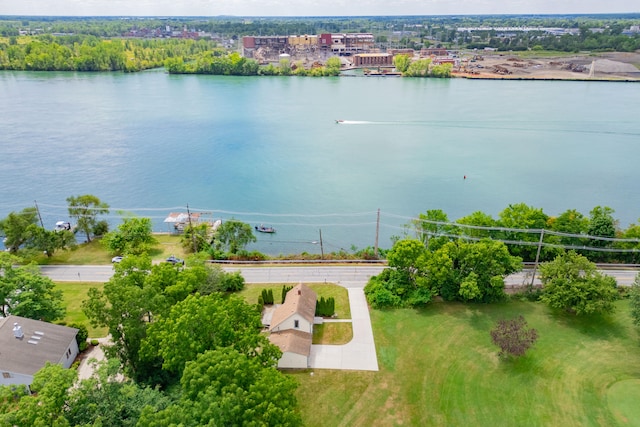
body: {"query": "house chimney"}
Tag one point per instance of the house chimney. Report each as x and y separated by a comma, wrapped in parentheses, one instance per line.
(17, 331)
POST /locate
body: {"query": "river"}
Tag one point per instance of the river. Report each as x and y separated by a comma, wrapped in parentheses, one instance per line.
(268, 150)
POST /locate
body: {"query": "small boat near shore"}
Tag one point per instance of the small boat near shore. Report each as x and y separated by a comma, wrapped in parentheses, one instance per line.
(262, 229)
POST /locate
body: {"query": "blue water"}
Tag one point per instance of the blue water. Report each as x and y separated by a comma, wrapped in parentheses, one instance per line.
(268, 150)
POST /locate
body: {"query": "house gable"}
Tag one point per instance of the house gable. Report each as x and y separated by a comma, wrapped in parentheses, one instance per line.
(299, 306)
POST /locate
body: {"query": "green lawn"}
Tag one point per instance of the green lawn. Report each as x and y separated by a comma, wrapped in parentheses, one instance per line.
(94, 253)
(439, 367)
(251, 292)
(74, 293)
(332, 333)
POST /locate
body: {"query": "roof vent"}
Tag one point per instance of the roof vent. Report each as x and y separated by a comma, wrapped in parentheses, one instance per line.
(17, 331)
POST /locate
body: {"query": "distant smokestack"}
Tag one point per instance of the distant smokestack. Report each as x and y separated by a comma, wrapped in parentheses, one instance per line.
(17, 331)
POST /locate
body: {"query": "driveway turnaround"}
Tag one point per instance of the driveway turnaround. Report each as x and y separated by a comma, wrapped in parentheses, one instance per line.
(360, 353)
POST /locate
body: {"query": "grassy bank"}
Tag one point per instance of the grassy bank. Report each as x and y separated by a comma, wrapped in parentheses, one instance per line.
(439, 367)
(94, 253)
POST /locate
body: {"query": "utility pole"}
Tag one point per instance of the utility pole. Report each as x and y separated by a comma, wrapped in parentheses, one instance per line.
(535, 265)
(375, 248)
(193, 234)
(321, 247)
(38, 210)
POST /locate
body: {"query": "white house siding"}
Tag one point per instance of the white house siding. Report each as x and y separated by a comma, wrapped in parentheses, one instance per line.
(289, 323)
(70, 354)
(14, 378)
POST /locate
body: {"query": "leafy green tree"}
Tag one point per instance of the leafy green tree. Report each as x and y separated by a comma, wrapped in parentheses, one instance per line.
(15, 228)
(85, 209)
(522, 216)
(25, 292)
(81, 336)
(632, 232)
(601, 224)
(441, 71)
(402, 62)
(48, 241)
(432, 228)
(634, 300)
(284, 66)
(419, 68)
(570, 222)
(234, 235)
(333, 64)
(513, 336)
(46, 406)
(404, 282)
(225, 387)
(476, 219)
(572, 283)
(207, 322)
(133, 236)
(472, 271)
(197, 238)
(111, 400)
(125, 306)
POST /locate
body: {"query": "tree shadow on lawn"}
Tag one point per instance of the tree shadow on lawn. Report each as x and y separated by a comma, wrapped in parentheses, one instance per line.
(598, 326)
(483, 317)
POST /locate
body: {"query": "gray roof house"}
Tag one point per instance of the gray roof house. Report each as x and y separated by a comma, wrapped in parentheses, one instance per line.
(292, 327)
(27, 344)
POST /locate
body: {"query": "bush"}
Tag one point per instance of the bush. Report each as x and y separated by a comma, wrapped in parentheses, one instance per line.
(232, 282)
(513, 337)
(82, 335)
(101, 228)
(325, 307)
(267, 296)
(285, 290)
(95, 342)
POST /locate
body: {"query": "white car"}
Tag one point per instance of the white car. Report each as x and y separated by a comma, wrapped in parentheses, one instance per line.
(116, 259)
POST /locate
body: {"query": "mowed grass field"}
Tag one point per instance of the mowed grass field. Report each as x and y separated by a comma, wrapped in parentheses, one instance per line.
(438, 367)
(74, 293)
(94, 253)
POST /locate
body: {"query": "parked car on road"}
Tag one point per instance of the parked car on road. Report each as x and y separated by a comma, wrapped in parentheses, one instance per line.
(174, 260)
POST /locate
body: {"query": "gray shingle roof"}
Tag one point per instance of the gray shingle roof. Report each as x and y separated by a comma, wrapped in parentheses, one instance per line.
(41, 342)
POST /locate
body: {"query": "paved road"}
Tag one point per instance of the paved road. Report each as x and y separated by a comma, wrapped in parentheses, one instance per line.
(288, 274)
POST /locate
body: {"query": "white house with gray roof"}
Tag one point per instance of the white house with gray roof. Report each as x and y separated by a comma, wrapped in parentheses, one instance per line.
(27, 344)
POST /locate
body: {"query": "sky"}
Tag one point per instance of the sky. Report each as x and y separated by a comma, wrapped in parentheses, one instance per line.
(310, 7)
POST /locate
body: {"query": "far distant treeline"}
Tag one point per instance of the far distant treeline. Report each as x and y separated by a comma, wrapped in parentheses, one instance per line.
(89, 53)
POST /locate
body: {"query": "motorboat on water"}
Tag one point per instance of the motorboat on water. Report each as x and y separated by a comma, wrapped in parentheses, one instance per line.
(262, 229)
(339, 121)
